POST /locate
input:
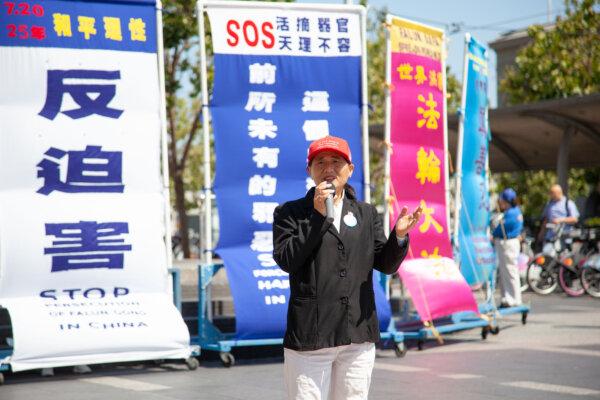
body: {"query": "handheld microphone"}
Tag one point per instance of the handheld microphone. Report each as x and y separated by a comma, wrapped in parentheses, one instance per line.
(329, 202)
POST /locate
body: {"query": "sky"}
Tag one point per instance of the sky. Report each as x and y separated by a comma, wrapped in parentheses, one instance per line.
(485, 20)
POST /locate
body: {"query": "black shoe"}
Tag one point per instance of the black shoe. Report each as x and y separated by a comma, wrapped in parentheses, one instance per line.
(504, 305)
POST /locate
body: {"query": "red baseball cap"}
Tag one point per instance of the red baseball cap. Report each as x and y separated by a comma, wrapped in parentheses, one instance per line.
(329, 143)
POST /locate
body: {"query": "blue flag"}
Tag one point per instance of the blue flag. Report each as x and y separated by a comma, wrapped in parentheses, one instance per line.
(476, 252)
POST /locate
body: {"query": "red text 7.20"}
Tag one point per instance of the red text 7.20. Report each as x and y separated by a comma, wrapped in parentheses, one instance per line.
(24, 9)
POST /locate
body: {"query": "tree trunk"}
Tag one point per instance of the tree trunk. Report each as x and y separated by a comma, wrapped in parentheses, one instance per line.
(181, 213)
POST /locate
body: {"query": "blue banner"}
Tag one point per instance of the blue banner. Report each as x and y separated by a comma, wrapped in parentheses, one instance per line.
(266, 109)
(476, 252)
(107, 25)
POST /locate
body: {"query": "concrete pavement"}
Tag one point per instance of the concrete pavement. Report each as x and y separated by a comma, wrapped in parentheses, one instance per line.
(555, 356)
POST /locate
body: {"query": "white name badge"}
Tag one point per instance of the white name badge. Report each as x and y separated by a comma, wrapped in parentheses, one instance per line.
(350, 220)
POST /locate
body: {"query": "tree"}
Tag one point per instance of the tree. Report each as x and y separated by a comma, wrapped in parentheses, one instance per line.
(180, 30)
(561, 61)
(533, 186)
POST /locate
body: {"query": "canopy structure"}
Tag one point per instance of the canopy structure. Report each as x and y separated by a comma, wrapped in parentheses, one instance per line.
(540, 135)
(554, 134)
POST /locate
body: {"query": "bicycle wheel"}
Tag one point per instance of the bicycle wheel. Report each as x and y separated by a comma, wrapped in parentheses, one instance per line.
(570, 282)
(590, 280)
(541, 275)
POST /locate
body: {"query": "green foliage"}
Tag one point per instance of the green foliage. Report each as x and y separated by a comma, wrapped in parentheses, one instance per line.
(559, 62)
(376, 51)
(182, 84)
(453, 92)
(532, 187)
(192, 173)
(180, 35)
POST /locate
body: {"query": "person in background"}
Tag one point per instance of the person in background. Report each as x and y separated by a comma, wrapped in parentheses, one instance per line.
(592, 204)
(508, 246)
(559, 210)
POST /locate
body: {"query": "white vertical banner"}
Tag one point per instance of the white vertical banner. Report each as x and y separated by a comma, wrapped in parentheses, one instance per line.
(83, 259)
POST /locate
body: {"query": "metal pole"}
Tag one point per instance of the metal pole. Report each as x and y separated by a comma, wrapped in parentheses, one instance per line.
(163, 134)
(365, 105)
(387, 141)
(387, 132)
(459, 152)
(446, 158)
(491, 284)
(206, 140)
(206, 154)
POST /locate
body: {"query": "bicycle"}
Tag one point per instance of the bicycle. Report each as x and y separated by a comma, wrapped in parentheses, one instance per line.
(590, 276)
(543, 270)
(590, 270)
(569, 275)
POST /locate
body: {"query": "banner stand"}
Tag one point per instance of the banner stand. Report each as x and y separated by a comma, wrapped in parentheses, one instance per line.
(212, 339)
(209, 336)
(411, 61)
(488, 306)
(489, 314)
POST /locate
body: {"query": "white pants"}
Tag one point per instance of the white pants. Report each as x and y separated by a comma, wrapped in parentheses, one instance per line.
(508, 270)
(336, 373)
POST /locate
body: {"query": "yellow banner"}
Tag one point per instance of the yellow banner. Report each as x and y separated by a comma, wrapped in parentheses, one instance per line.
(413, 38)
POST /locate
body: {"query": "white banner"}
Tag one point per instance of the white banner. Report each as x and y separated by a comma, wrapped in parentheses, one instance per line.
(291, 32)
(83, 260)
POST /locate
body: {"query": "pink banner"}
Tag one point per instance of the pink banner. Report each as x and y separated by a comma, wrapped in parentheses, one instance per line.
(437, 287)
(418, 157)
(418, 169)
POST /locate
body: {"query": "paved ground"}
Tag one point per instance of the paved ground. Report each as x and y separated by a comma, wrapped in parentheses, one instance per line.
(555, 356)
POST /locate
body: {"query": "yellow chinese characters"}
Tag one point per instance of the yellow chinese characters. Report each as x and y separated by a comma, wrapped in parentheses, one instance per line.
(434, 254)
(428, 166)
(436, 80)
(137, 28)
(430, 115)
(62, 24)
(420, 76)
(404, 70)
(112, 28)
(405, 73)
(428, 220)
(86, 26)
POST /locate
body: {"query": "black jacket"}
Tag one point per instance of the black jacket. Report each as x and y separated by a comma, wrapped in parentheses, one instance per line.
(332, 302)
